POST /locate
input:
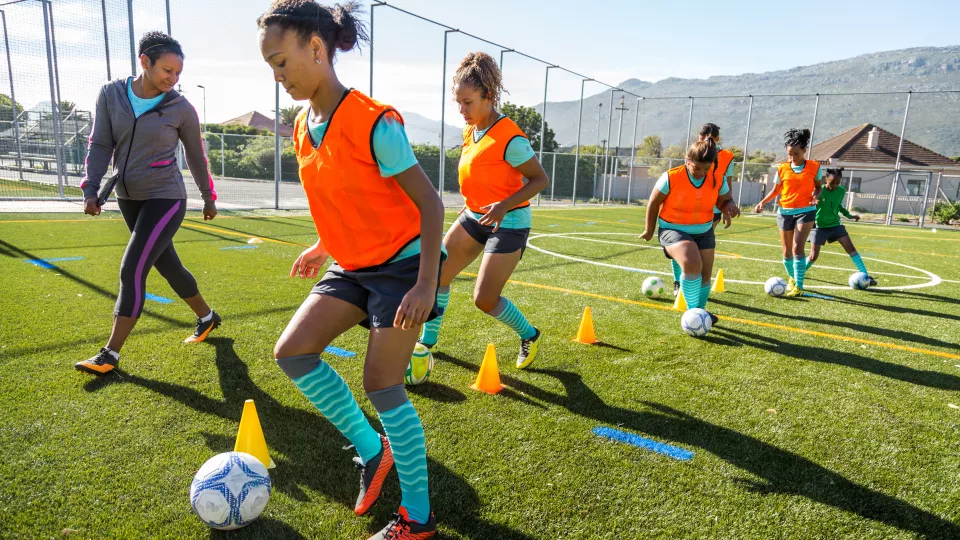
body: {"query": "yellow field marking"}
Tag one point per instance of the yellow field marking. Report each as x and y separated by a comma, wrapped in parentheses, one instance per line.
(244, 235)
(739, 320)
(728, 254)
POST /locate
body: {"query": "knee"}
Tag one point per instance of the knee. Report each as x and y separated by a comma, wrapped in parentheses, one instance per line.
(798, 251)
(486, 302)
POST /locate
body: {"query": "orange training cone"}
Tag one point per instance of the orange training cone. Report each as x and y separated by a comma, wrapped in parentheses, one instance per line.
(718, 283)
(586, 334)
(488, 380)
(680, 304)
(250, 436)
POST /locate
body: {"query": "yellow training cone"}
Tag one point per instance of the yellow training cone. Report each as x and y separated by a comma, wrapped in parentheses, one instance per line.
(718, 283)
(250, 436)
(680, 304)
(586, 334)
(488, 380)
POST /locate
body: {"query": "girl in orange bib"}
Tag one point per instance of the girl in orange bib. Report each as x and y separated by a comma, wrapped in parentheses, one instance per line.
(496, 219)
(681, 209)
(797, 182)
(377, 215)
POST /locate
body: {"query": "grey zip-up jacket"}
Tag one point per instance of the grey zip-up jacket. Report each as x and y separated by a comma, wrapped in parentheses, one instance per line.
(144, 149)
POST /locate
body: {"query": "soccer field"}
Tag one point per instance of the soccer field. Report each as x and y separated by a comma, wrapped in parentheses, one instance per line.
(836, 416)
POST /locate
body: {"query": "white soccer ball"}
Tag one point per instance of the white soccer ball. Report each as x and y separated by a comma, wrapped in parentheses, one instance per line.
(230, 490)
(775, 286)
(652, 286)
(420, 366)
(696, 322)
(859, 281)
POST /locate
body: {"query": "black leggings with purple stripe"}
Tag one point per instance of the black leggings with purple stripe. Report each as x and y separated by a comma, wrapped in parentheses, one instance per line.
(152, 224)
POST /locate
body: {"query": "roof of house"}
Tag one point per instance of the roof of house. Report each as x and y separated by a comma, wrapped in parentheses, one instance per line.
(259, 121)
(851, 147)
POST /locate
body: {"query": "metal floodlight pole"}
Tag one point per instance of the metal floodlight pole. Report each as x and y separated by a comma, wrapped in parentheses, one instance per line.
(106, 36)
(689, 126)
(553, 176)
(633, 150)
(813, 126)
(926, 194)
(576, 163)
(746, 142)
(169, 28)
(200, 86)
(896, 181)
(54, 107)
(502, 52)
(133, 46)
(373, 5)
(13, 96)
(443, 111)
(56, 57)
(276, 147)
(596, 151)
(606, 146)
(616, 154)
(543, 119)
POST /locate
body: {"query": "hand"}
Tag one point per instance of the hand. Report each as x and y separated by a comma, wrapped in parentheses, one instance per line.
(309, 263)
(209, 210)
(462, 210)
(758, 209)
(647, 235)
(494, 215)
(727, 222)
(416, 306)
(856, 217)
(90, 206)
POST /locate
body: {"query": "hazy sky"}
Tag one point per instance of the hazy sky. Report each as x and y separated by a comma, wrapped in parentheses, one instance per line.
(609, 40)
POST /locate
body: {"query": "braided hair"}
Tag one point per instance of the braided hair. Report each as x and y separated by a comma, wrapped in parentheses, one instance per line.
(339, 26)
(797, 137)
(480, 70)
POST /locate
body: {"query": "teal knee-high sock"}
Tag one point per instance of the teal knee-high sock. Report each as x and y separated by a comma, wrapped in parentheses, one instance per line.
(328, 392)
(405, 433)
(704, 294)
(859, 262)
(690, 285)
(788, 266)
(431, 329)
(676, 270)
(508, 314)
(799, 270)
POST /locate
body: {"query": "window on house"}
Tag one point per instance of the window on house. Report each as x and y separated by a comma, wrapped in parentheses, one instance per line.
(852, 185)
(915, 187)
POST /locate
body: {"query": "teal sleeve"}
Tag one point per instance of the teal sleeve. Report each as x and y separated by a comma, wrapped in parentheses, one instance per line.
(519, 151)
(391, 146)
(725, 188)
(730, 168)
(663, 184)
(820, 173)
(776, 177)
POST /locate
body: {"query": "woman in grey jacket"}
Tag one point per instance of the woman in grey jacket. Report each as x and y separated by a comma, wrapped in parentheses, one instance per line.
(138, 124)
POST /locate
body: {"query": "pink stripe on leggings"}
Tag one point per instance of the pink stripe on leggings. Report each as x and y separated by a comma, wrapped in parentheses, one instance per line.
(146, 253)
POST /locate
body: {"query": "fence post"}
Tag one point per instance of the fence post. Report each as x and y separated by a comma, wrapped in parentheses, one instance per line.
(633, 151)
(133, 47)
(543, 119)
(596, 152)
(813, 126)
(169, 28)
(54, 107)
(553, 176)
(13, 96)
(223, 159)
(576, 162)
(443, 110)
(606, 148)
(276, 147)
(373, 5)
(926, 193)
(896, 180)
(746, 142)
(106, 36)
(689, 126)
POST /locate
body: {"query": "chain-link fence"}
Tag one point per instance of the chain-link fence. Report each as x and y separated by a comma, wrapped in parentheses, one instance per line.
(605, 147)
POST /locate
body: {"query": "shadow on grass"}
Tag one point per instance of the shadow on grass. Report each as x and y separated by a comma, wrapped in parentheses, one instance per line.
(875, 330)
(931, 379)
(893, 308)
(309, 451)
(780, 471)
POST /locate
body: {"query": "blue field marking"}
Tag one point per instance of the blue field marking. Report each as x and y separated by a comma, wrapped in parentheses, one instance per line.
(159, 299)
(553, 225)
(45, 263)
(240, 247)
(647, 444)
(817, 295)
(339, 352)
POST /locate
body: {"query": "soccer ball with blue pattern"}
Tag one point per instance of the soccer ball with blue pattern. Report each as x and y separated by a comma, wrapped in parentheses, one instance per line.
(420, 366)
(859, 281)
(775, 286)
(230, 490)
(696, 322)
(652, 286)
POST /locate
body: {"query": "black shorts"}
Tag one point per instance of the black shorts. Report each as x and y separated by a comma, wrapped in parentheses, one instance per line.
(502, 241)
(669, 237)
(789, 223)
(377, 290)
(820, 237)
(717, 217)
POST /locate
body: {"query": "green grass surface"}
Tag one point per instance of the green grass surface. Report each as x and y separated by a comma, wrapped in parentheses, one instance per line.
(808, 418)
(26, 189)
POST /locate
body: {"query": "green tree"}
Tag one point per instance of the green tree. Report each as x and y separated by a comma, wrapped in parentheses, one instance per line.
(288, 115)
(956, 158)
(528, 120)
(66, 107)
(5, 104)
(652, 146)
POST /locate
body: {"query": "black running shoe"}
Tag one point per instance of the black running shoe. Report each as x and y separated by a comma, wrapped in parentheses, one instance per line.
(676, 288)
(101, 364)
(204, 328)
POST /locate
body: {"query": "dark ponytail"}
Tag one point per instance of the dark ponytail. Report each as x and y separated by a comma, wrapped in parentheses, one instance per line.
(339, 26)
(838, 173)
(705, 151)
(797, 137)
(709, 130)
